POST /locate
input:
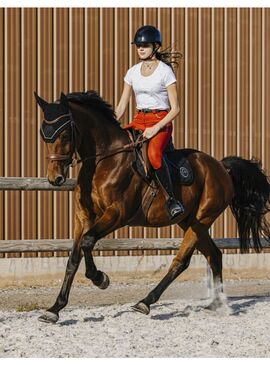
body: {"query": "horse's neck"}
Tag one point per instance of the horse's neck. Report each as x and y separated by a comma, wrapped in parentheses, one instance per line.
(110, 137)
(101, 138)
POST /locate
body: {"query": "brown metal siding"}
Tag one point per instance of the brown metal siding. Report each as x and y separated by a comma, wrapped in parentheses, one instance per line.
(29, 129)
(223, 85)
(12, 128)
(45, 82)
(2, 118)
(230, 102)
(266, 88)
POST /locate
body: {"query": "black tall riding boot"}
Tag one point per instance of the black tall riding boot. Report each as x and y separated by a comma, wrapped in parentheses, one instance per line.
(174, 207)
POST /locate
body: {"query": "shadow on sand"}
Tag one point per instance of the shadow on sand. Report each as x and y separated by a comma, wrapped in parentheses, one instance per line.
(232, 306)
(248, 302)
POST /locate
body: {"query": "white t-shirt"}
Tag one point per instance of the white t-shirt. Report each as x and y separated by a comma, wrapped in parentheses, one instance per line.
(150, 91)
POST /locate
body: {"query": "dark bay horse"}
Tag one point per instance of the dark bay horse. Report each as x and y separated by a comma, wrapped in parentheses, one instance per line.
(109, 193)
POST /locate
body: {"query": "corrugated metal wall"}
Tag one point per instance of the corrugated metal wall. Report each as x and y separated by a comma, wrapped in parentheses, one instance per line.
(223, 83)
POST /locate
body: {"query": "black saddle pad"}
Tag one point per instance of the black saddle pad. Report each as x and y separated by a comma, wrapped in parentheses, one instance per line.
(181, 170)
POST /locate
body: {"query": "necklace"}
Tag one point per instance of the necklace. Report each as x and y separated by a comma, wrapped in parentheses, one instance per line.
(150, 64)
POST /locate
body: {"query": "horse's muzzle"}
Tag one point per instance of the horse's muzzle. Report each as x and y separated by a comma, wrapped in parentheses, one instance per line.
(59, 181)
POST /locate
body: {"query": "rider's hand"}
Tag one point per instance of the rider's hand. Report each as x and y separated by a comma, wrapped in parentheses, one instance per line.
(151, 132)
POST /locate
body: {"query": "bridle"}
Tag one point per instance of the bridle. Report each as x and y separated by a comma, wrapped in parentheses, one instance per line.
(73, 150)
(72, 158)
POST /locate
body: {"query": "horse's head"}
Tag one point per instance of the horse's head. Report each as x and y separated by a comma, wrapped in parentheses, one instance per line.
(57, 131)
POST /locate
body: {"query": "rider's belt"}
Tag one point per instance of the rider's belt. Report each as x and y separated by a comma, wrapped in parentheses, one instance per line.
(151, 110)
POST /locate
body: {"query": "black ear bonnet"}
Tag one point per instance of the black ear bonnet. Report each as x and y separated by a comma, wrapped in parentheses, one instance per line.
(50, 130)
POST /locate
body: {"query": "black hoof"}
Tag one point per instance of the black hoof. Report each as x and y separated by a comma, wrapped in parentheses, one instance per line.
(105, 282)
(48, 317)
(101, 280)
(141, 308)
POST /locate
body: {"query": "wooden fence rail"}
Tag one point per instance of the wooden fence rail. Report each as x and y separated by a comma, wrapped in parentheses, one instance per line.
(33, 183)
(19, 246)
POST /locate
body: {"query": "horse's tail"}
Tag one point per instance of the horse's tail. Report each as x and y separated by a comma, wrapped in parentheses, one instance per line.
(251, 200)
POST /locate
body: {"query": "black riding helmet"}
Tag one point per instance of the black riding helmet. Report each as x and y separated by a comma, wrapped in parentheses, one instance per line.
(147, 34)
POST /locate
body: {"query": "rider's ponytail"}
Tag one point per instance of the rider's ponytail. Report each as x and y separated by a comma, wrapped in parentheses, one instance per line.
(169, 57)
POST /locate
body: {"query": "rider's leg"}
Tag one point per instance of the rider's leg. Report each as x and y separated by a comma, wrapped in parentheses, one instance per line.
(156, 147)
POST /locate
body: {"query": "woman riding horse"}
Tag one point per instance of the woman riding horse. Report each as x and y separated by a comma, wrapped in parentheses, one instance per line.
(154, 85)
(109, 193)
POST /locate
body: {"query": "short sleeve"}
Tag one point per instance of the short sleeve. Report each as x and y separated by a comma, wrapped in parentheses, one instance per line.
(128, 78)
(169, 77)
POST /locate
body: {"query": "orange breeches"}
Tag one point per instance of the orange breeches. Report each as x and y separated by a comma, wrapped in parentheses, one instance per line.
(157, 144)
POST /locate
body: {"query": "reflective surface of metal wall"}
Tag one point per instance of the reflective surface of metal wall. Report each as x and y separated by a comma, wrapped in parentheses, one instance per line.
(223, 83)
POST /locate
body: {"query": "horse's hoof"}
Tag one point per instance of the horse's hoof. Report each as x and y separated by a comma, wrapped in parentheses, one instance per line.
(48, 317)
(213, 306)
(105, 281)
(141, 307)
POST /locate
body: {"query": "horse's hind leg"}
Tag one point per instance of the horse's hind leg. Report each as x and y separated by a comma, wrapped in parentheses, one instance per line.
(213, 256)
(179, 264)
(194, 234)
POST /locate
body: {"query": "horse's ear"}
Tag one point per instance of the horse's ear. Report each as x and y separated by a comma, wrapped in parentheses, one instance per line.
(64, 100)
(42, 103)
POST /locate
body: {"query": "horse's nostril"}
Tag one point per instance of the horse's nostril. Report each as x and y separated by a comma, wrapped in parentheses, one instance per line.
(59, 180)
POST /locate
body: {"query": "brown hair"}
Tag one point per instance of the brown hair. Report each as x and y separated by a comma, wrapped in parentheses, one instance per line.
(169, 57)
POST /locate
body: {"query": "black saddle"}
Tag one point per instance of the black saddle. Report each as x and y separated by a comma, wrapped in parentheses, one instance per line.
(180, 168)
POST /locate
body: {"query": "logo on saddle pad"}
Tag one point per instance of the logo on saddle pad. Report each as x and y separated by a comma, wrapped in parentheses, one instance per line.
(184, 172)
(181, 170)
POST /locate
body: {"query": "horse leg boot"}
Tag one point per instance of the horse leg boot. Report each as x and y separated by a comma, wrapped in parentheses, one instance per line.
(179, 264)
(163, 177)
(106, 224)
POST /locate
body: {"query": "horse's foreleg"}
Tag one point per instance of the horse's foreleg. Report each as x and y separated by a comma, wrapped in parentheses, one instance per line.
(99, 278)
(52, 314)
(106, 224)
(179, 264)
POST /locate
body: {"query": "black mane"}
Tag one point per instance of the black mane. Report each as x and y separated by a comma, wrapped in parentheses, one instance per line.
(93, 100)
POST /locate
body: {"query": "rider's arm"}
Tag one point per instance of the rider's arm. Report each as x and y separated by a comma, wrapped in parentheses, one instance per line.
(174, 111)
(174, 103)
(121, 107)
